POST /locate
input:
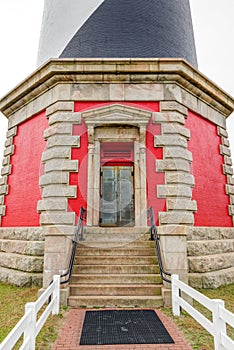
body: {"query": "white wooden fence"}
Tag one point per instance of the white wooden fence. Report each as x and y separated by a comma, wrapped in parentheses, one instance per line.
(220, 316)
(29, 326)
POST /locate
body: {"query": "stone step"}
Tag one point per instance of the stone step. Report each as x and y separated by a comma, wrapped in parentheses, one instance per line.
(115, 269)
(208, 263)
(209, 247)
(141, 251)
(132, 232)
(113, 289)
(115, 260)
(116, 301)
(112, 278)
(116, 244)
(212, 279)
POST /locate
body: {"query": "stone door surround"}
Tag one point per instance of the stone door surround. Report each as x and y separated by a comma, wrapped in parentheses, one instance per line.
(116, 123)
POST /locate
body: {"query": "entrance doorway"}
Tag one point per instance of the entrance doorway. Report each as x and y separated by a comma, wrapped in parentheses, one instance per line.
(117, 196)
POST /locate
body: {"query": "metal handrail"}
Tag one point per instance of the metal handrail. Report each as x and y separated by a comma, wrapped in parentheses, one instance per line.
(77, 237)
(154, 236)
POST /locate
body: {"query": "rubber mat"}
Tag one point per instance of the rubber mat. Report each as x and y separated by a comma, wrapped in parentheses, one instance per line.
(112, 327)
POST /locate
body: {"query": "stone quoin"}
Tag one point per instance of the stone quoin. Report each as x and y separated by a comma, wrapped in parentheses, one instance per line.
(117, 118)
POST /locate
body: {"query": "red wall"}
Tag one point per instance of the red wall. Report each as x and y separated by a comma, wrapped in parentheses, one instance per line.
(81, 155)
(209, 191)
(24, 190)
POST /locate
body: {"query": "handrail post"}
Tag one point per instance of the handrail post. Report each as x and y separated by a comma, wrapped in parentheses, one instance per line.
(219, 324)
(56, 295)
(175, 295)
(30, 331)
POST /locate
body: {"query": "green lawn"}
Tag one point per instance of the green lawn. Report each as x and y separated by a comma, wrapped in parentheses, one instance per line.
(12, 302)
(196, 335)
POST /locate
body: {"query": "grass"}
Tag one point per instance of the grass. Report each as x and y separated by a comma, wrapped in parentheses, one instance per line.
(195, 334)
(12, 302)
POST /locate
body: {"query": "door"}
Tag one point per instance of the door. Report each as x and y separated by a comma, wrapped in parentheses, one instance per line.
(117, 196)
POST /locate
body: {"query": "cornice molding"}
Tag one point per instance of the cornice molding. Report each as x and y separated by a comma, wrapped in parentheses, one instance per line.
(125, 71)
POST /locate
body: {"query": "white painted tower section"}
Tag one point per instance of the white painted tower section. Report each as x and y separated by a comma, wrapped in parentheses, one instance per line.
(61, 20)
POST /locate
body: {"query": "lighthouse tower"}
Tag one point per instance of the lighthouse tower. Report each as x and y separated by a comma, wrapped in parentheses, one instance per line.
(116, 119)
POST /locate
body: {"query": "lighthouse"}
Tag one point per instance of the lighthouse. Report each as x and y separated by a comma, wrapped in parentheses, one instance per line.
(117, 119)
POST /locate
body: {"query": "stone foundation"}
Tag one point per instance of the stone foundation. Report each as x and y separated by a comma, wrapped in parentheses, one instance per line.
(21, 255)
(210, 256)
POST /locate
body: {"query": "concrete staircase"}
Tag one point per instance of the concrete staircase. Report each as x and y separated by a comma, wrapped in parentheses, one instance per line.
(210, 253)
(115, 270)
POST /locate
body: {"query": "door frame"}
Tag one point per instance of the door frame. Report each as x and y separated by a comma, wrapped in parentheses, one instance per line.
(116, 123)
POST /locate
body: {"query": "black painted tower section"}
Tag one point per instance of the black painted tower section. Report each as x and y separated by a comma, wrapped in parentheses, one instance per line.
(136, 29)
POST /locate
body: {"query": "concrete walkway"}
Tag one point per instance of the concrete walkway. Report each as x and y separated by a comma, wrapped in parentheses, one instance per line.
(70, 333)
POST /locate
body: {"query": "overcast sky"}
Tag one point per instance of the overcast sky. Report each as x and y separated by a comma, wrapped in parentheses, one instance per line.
(20, 22)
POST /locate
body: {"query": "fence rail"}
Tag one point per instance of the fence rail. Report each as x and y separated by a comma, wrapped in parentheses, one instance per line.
(220, 316)
(29, 326)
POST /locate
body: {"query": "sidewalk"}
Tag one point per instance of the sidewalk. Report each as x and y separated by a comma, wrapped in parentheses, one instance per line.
(70, 333)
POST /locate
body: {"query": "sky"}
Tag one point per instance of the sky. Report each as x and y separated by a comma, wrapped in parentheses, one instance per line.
(20, 22)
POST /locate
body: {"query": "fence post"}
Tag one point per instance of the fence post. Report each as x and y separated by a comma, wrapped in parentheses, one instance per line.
(30, 331)
(175, 294)
(56, 294)
(219, 324)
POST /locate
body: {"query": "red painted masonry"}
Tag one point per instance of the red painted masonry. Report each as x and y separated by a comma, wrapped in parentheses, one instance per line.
(80, 154)
(209, 190)
(24, 190)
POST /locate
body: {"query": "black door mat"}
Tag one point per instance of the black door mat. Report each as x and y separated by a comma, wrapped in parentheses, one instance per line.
(112, 327)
